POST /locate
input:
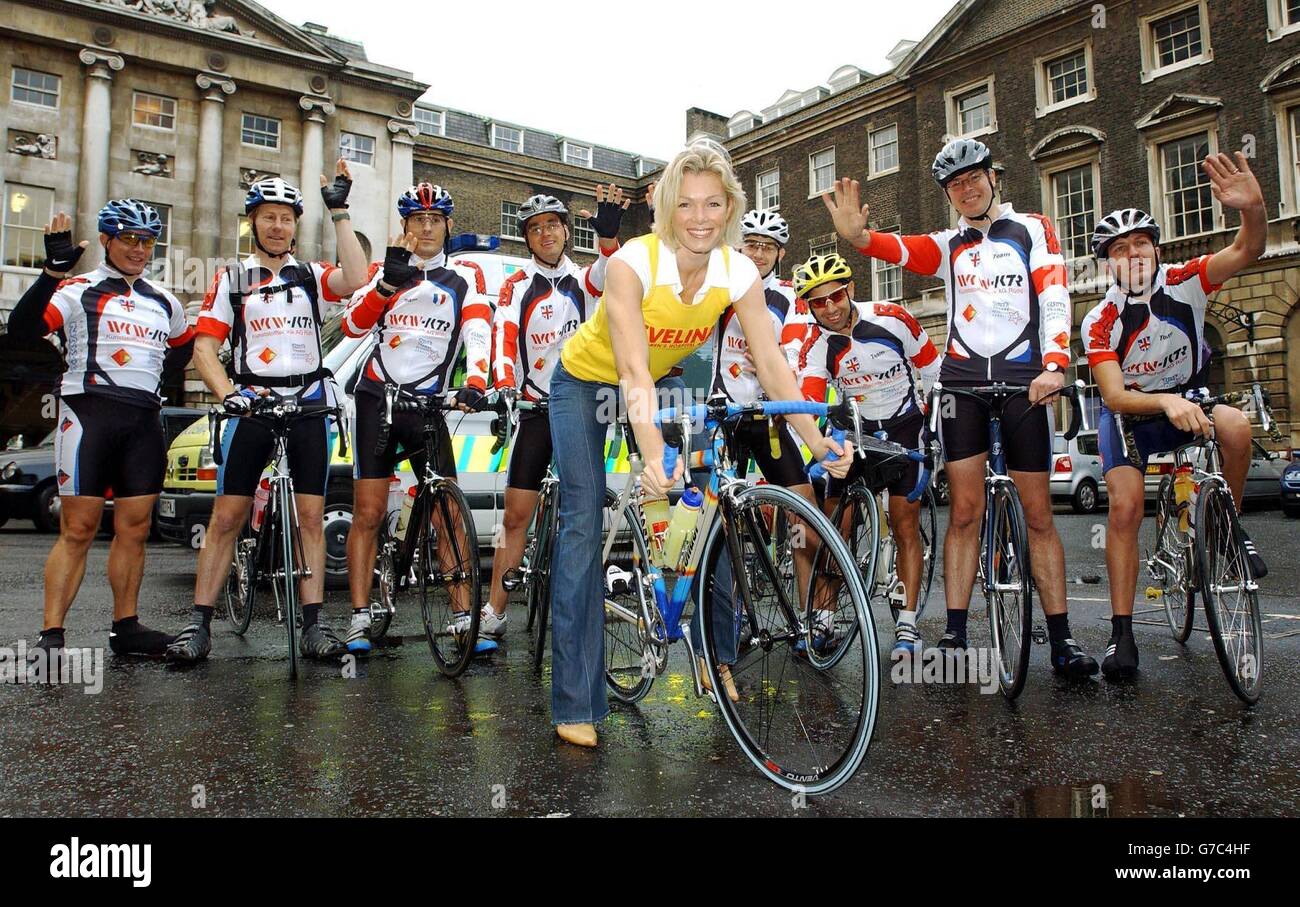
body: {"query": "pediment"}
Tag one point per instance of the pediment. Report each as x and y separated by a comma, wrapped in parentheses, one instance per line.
(1179, 106)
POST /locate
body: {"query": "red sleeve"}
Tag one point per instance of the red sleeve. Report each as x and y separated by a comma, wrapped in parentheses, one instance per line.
(480, 284)
(182, 339)
(324, 280)
(919, 253)
(1194, 268)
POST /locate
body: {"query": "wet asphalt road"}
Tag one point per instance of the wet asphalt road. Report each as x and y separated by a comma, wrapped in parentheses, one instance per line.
(399, 739)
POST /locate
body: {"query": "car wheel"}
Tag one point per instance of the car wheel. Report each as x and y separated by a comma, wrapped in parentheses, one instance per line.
(46, 515)
(338, 521)
(1085, 497)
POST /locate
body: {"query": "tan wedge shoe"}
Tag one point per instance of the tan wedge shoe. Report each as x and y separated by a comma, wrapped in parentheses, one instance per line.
(732, 693)
(577, 734)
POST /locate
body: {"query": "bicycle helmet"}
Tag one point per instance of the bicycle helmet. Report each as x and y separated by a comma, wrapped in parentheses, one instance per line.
(540, 204)
(765, 223)
(273, 190)
(957, 157)
(425, 197)
(127, 214)
(818, 270)
(1119, 223)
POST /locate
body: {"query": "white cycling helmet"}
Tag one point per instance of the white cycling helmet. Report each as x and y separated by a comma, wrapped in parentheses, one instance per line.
(765, 223)
(1120, 222)
(273, 190)
(957, 157)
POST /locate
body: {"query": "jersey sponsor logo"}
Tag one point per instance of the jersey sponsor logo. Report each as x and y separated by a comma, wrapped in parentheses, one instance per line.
(670, 337)
(548, 311)
(969, 313)
(736, 343)
(1159, 365)
(134, 331)
(539, 364)
(128, 303)
(1062, 340)
(975, 259)
(63, 477)
(395, 342)
(734, 369)
(65, 424)
(279, 323)
(1005, 282)
(852, 364)
(1144, 343)
(121, 357)
(266, 355)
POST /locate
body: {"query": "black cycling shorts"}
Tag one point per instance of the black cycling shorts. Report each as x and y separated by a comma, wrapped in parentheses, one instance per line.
(101, 444)
(1027, 442)
(247, 446)
(405, 440)
(786, 469)
(899, 476)
(530, 453)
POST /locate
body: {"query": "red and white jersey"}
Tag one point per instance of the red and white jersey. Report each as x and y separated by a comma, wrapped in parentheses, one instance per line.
(540, 308)
(1008, 305)
(116, 334)
(277, 333)
(1157, 337)
(423, 326)
(878, 361)
(733, 373)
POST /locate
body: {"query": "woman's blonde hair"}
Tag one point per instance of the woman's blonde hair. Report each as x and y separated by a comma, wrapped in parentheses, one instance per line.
(702, 156)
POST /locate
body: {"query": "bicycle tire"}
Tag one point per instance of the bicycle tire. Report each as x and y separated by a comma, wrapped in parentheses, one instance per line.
(539, 581)
(531, 556)
(1178, 598)
(927, 526)
(1009, 612)
(381, 617)
(859, 676)
(1218, 545)
(630, 661)
(284, 532)
(451, 652)
(241, 580)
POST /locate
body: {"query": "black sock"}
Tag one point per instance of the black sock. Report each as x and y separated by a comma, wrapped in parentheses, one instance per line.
(310, 614)
(364, 609)
(51, 637)
(957, 621)
(1121, 625)
(203, 615)
(131, 637)
(1058, 627)
(127, 624)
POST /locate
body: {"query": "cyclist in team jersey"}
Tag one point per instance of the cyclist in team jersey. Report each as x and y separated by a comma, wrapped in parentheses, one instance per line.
(1009, 321)
(538, 309)
(424, 309)
(880, 355)
(121, 332)
(1145, 342)
(270, 307)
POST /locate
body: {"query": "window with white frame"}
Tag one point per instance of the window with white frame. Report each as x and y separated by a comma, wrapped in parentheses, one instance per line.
(768, 194)
(972, 110)
(22, 234)
(159, 269)
(153, 110)
(883, 146)
(584, 236)
(510, 221)
(358, 148)
(821, 171)
(1293, 145)
(1072, 197)
(429, 121)
(1283, 18)
(1185, 199)
(1065, 79)
(826, 244)
(260, 131)
(886, 278)
(1174, 40)
(32, 87)
(507, 138)
(577, 155)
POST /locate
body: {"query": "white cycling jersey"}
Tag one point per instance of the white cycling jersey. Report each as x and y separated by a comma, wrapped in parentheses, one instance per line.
(423, 325)
(1008, 305)
(538, 309)
(878, 361)
(116, 334)
(733, 373)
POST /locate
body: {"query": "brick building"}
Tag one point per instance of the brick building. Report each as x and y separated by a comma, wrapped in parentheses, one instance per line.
(1087, 107)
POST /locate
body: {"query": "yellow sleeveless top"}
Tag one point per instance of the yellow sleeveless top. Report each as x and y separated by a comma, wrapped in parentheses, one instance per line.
(674, 329)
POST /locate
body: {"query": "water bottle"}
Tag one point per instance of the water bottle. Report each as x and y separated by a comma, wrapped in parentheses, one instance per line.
(261, 497)
(885, 556)
(685, 516)
(1184, 491)
(405, 517)
(394, 508)
(654, 513)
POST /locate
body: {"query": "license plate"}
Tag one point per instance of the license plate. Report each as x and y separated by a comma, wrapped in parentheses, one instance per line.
(166, 507)
(1153, 470)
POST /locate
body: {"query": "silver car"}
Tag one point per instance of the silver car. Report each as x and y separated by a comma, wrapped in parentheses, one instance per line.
(1262, 479)
(1076, 472)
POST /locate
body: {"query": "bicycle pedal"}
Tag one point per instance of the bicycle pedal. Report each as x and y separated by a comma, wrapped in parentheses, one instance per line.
(1039, 634)
(1154, 594)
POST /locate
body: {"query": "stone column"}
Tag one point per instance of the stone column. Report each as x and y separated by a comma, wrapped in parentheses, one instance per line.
(315, 109)
(96, 134)
(206, 238)
(401, 170)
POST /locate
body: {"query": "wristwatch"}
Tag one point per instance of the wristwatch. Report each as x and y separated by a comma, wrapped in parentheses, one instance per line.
(1052, 367)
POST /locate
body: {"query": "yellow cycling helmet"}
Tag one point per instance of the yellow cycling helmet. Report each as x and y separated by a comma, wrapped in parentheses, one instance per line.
(818, 270)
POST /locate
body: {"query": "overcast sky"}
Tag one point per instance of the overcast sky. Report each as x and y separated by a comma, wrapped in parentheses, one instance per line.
(483, 56)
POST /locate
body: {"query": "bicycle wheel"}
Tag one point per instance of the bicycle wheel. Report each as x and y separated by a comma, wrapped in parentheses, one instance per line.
(539, 579)
(1170, 564)
(449, 577)
(858, 521)
(382, 610)
(531, 557)
(1008, 588)
(1231, 600)
(286, 577)
(241, 581)
(927, 528)
(805, 727)
(633, 656)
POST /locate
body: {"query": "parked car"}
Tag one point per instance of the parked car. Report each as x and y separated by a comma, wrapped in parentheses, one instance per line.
(1262, 480)
(1076, 472)
(1290, 488)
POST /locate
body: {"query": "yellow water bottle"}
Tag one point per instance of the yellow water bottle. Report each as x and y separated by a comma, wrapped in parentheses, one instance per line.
(682, 527)
(654, 513)
(1183, 486)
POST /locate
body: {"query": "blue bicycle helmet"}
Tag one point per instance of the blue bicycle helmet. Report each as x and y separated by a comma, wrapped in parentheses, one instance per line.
(425, 197)
(123, 214)
(273, 190)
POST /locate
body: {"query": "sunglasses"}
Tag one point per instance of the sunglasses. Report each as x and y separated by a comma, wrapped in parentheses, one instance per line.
(839, 296)
(135, 239)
